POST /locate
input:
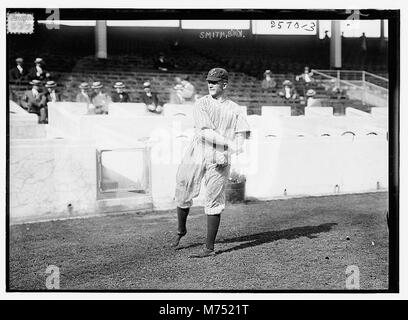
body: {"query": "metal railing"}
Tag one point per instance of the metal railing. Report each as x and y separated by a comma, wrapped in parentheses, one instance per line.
(361, 85)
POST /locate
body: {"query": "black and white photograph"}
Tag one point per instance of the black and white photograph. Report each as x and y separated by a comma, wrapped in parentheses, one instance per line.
(202, 150)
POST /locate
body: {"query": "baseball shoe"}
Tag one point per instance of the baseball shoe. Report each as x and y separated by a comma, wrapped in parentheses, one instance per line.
(176, 240)
(203, 253)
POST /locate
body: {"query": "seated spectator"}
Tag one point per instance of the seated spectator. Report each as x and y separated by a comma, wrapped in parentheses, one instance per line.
(100, 100)
(151, 99)
(19, 72)
(162, 64)
(334, 90)
(175, 46)
(83, 96)
(306, 79)
(288, 91)
(51, 95)
(182, 92)
(34, 101)
(13, 95)
(268, 83)
(311, 101)
(38, 72)
(120, 95)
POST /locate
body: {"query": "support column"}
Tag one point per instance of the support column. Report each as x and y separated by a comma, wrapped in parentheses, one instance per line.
(101, 51)
(382, 36)
(335, 45)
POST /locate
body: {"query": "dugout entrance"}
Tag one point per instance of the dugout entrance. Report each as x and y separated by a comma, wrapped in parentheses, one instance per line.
(123, 172)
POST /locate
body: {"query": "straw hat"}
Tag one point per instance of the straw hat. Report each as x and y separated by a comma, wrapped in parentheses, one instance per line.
(310, 93)
(119, 85)
(84, 85)
(50, 84)
(35, 82)
(97, 85)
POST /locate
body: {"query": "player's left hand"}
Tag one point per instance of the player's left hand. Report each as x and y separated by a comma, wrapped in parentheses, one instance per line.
(221, 159)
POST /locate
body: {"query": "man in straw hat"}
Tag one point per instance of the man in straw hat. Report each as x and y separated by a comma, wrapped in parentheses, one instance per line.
(83, 96)
(311, 101)
(220, 130)
(120, 95)
(100, 100)
(38, 72)
(151, 99)
(34, 101)
(51, 95)
(19, 72)
(288, 91)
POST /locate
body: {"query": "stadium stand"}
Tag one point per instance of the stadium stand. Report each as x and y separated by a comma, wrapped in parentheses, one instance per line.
(70, 60)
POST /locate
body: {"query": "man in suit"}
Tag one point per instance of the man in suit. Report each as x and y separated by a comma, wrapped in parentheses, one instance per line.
(162, 64)
(18, 73)
(83, 96)
(51, 95)
(38, 72)
(99, 99)
(288, 91)
(268, 83)
(120, 95)
(311, 101)
(34, 101)
(183, 91)
(151, 100)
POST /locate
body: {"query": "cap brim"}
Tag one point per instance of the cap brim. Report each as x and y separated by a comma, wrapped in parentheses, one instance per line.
(213, 79)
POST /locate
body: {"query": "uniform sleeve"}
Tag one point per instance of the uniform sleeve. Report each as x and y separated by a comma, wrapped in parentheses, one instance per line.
(242, 125)
(201, 117)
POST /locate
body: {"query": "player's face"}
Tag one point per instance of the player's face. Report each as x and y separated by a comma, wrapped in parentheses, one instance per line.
(216, 88)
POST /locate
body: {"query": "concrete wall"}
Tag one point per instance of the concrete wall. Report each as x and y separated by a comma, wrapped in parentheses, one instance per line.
(286, 156)
(46, 175)
(302, 166)
(24, 125)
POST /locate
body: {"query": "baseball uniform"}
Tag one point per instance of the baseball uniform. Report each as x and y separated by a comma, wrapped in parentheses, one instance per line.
(199, 161)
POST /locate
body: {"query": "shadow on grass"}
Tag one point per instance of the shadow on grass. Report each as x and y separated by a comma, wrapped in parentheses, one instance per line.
(257, 239)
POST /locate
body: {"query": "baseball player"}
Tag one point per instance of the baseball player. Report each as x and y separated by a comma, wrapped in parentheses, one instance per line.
(220, 130)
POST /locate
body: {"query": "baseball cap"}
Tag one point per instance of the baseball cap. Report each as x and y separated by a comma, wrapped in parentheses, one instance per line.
(217, 74)
(146, 84)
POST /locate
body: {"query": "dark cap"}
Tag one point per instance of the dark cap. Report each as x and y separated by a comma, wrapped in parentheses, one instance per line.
(217, 74)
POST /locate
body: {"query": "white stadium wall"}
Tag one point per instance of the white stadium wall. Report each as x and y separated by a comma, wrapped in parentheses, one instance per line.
(56, 175)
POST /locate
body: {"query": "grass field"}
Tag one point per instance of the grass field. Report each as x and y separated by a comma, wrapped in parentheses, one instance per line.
(290, 244)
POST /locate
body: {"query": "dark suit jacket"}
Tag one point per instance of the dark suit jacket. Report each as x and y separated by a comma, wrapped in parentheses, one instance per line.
(48, 96)
(154, 99)
(14, 74)
(123, 97)
(33, 74)
(32, 104)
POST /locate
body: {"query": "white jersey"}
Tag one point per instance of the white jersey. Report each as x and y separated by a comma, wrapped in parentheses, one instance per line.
(225, 117)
